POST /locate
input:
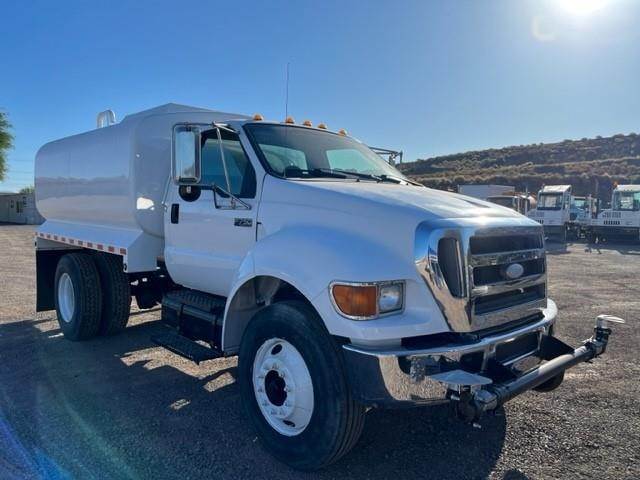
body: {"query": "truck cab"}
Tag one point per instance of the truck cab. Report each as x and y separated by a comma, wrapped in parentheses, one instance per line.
(339, 283)
(622, 220)
(553, 210)
(521, 203)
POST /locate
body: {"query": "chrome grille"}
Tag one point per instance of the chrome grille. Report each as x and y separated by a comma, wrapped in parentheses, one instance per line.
(483, 295)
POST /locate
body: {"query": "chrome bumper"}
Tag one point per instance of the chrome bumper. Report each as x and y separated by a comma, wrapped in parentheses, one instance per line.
(410, 377)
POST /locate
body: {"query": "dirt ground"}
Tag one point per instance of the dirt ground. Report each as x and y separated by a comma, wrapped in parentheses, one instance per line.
(123, 408)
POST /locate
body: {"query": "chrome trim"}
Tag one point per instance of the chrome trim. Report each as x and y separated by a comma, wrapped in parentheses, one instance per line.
(510, 314)
(508, 285)
(486, 344)
(458, 311)
(489, 259)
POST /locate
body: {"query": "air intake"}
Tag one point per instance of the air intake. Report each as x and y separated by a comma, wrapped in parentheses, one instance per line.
(451, 265)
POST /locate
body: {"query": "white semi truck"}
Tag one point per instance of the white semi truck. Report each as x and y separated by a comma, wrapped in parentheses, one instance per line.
(622, 220)
(339, 283)
(553, 211)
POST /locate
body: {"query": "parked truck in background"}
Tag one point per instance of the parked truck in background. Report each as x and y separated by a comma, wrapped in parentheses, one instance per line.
(553, 211)
(622, 220)
(339, 283)
(520, 202)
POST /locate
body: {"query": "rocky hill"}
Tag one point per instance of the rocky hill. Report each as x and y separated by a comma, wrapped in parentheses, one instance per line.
(590, 165)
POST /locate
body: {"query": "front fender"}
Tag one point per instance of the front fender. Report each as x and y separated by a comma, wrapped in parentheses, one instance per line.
(310, 258)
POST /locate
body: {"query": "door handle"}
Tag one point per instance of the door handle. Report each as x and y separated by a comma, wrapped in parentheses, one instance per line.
(175, 212)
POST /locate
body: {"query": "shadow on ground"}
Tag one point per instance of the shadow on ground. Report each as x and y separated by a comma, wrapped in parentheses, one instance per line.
(117, 408)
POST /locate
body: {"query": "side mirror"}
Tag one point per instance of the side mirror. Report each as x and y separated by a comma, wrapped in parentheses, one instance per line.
(186, 154)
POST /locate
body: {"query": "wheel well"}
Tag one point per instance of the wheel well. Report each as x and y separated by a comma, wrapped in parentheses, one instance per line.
(254, 295)
(46, 264)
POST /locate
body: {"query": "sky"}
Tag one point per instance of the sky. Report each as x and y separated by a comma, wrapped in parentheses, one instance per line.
(428, 77)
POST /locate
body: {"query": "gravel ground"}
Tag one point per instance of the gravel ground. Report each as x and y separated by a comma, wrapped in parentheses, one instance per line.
(123, 408)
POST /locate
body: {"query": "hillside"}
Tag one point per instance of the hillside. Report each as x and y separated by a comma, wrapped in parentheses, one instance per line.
(590, 165)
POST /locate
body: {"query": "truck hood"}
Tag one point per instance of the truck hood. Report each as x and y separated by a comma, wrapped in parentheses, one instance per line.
(426, 202)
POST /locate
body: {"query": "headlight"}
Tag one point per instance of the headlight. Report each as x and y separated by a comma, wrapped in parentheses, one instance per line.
(364, 301)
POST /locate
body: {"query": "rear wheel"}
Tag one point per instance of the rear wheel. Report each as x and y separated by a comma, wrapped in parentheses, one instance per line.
(78, 296)
(116, 294)
(294, 388)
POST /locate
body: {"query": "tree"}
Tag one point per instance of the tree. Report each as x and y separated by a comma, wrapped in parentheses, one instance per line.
(6, 142)
(25, 190)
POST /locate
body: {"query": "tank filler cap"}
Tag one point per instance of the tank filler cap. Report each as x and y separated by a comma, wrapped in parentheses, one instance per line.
(106, 118)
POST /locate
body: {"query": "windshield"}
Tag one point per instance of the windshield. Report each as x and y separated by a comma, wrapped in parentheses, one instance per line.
(579, 203)
(550, 201)
(302, 152)
(626, 201)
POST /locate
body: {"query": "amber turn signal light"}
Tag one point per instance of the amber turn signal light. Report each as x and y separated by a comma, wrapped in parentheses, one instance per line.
(356, 300)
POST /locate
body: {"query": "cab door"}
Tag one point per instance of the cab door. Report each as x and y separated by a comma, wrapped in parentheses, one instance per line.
(208, 233)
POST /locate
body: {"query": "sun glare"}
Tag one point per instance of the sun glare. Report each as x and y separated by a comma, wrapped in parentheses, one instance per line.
(583, 7)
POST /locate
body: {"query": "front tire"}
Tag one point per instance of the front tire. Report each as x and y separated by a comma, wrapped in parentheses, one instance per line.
(78, 297)
(294, 389)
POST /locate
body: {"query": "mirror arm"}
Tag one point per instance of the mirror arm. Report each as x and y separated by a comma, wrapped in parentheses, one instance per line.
(234, 200)
(224, 127)
(224, 162)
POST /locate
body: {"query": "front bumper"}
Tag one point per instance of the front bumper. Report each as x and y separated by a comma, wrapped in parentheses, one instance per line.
(485, 372)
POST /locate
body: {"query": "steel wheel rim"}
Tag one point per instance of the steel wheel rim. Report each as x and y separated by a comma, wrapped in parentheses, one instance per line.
(66, 297)
(282, 386)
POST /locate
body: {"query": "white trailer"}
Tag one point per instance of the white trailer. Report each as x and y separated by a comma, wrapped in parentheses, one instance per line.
(341, 284)
(19, 208)
(622, 220)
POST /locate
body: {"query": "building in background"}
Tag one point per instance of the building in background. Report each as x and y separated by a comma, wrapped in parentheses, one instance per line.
(19, 208)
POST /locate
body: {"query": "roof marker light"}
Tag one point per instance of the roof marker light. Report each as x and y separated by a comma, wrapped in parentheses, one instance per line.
(342, 132)
(289, 120)
(323, 126)
(258, 118)
(307, 123)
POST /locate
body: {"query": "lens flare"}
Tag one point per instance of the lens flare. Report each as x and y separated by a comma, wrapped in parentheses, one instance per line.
(583, 7)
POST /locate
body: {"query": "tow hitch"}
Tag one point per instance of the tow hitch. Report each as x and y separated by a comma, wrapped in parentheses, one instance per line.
(473, 395)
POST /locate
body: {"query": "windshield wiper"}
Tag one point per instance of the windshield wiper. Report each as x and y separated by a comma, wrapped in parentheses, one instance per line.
(396, 179)
(293, 171)
(378, 178)
(366, 176)
(296, 172)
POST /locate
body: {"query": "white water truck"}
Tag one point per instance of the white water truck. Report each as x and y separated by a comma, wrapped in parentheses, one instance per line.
(340, 284)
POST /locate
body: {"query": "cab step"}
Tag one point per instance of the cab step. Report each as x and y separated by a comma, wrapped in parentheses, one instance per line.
(195, 315)
(185, 347)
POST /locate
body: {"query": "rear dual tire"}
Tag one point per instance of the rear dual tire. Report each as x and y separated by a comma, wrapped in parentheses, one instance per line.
(78, 297)
(92, 295)
(289, 363)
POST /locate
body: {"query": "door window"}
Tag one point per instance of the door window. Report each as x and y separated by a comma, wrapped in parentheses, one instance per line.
(242, 176)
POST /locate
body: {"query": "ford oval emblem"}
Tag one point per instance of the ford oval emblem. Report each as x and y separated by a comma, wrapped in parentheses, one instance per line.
(513, 271)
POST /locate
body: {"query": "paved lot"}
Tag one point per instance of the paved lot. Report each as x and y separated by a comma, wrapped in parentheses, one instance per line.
(123, 408)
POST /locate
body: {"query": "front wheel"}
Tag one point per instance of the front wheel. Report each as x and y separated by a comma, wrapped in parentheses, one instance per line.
(294, 388)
